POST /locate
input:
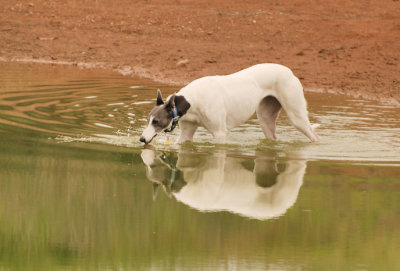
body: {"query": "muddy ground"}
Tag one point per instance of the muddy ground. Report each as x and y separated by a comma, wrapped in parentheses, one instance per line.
(343, 46)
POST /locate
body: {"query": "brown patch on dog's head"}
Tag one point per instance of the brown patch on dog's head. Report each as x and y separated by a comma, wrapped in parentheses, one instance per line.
(161, 115)
(159, 118)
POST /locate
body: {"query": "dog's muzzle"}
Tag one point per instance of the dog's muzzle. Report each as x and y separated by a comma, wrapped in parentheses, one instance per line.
(143, 139)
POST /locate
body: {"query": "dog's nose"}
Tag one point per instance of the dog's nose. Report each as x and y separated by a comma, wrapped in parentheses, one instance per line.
(142, 139)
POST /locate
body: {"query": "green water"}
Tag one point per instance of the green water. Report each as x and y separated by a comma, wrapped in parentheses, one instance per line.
(79, 192)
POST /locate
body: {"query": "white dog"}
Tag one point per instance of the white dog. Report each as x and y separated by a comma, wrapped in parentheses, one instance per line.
(220, 103)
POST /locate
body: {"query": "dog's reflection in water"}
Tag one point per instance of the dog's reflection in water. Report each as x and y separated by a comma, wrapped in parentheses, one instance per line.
(261, 188)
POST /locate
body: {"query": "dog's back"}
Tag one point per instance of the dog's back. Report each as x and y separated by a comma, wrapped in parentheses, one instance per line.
(235, 97)
(255, 82)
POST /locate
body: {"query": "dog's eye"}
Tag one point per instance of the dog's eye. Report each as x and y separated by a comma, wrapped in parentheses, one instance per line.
(155, 122)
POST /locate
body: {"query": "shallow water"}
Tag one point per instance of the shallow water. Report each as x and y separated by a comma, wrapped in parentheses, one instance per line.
(78, 191)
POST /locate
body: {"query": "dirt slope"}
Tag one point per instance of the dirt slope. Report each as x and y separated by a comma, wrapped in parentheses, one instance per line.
(343, 46)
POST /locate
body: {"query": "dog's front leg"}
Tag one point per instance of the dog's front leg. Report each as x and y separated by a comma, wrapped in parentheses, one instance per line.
(219, 137)
(187, 131)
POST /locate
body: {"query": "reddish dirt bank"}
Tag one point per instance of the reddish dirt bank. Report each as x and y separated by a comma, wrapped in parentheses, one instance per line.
(345, 46)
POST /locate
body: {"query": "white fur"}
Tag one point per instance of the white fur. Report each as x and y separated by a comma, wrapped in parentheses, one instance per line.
(220, 103)
(149, 132)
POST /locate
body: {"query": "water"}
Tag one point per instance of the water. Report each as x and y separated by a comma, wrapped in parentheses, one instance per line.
(79, 191)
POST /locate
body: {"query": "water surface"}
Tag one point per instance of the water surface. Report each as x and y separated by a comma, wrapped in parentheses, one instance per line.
(79, 191)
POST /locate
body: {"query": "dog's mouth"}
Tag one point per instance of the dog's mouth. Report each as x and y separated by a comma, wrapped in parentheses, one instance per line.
(151, 139)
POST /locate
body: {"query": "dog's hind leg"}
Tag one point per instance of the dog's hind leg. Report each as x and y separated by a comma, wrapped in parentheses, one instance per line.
(295, 106)
(293, 102)
(267, 113)
(187, 131)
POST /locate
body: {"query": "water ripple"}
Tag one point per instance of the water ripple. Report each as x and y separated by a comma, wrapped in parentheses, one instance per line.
(70, 105)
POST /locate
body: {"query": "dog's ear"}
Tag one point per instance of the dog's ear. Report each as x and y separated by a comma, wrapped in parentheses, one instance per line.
(171, 103)
(181, 104)
(159, 98)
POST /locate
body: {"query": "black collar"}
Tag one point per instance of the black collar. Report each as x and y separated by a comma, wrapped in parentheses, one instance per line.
(175, 120)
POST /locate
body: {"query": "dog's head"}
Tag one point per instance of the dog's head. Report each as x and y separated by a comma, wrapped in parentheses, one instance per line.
(159, 118)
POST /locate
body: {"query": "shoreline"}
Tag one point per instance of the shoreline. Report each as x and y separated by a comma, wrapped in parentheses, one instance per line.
(343, 47)
(123, 70)
(146, 74)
